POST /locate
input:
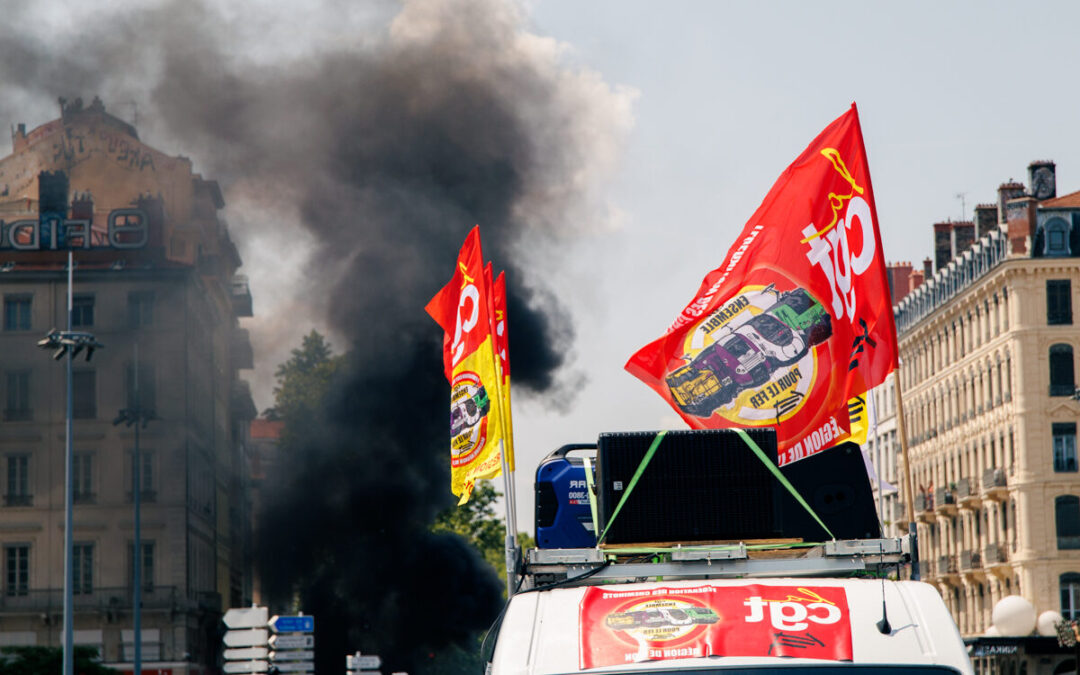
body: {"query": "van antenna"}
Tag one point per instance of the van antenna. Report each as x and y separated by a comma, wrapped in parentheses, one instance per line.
(883, 626)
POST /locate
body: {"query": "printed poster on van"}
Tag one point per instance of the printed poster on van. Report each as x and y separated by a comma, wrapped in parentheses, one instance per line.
(797, 322)
(630, 626)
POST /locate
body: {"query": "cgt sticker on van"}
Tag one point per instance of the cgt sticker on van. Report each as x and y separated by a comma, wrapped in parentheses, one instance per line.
(619, 627)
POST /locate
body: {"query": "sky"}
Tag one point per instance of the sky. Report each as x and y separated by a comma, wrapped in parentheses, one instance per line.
(955, 98)
(707, 103)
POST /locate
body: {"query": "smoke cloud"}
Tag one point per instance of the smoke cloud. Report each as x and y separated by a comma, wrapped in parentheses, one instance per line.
(357, 147)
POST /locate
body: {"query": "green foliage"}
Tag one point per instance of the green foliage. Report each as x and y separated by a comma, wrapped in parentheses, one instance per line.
(303, 384)
(39, 660)
(478, 523)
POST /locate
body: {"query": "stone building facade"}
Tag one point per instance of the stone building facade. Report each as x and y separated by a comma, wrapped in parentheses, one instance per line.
(987, 348)
(154, 267)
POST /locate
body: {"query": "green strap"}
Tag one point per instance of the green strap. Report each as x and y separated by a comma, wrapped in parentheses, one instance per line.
(590, 486)
(633, 481)
(783, 480)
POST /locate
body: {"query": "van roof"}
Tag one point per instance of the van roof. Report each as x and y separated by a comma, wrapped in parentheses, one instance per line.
(559, 630)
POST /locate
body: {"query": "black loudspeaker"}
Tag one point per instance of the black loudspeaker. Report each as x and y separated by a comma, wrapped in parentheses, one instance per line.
(835, 484)
(702, 485)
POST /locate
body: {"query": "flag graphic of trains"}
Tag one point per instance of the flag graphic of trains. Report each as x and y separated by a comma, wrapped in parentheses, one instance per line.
(747, 355)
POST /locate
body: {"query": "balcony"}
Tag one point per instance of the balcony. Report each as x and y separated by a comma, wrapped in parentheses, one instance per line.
(44, 601)
(18, 500)
(995, 487)
(241, 404)
(967, 496)
(924, 508)
(926, 569)
(241, 295)
(996, 560)
(971, 563)
(945, 502)
(241, 354)
(946, 566)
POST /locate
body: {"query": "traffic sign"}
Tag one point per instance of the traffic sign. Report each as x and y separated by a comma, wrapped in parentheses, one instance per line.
(246, 617)
(252, 637)
(293, 655)
(365, 662)
(292, 624)
(246, 667)
(292, 641)
(246, 653)
(295, 667)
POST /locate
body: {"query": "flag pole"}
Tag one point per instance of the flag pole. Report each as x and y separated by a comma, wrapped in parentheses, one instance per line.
(909, 492)
(511, 524)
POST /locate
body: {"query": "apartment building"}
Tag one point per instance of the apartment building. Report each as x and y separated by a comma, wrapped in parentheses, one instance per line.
(154, 270)
(987, 348)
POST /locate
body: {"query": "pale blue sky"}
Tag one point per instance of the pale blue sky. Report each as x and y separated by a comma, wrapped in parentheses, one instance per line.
(954, 97)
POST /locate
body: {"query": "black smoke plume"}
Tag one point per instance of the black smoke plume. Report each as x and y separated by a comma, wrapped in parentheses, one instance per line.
(382, 146)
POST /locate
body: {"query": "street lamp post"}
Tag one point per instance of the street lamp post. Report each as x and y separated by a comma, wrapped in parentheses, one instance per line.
(136, 416)
(68, 343)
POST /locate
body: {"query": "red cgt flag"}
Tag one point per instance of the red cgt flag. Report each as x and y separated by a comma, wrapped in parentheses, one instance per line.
(798, 319)
(462, 308)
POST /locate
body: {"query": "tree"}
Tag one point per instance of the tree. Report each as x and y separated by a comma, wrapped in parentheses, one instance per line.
(304, 382)
(37, 660)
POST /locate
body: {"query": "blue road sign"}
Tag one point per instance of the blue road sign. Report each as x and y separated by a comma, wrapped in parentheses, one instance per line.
(292, 624)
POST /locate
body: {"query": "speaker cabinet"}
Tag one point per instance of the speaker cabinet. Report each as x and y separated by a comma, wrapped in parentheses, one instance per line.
(701, 485)
(834, 482)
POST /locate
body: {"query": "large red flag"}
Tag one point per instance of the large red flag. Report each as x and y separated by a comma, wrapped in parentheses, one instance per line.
(798, 319)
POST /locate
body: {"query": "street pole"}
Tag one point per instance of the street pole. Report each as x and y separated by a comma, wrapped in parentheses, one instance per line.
(69, 654)
(137, 553)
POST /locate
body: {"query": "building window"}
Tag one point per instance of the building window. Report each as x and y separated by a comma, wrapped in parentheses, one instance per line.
(16, 312)
(17, 394)
(1064, 446)
(146, 476)
(17, 569)
(1062, 381)
(82, 569)
(147, 570)
(1058, 302)
(140, 309)
(18, 481)
(1070, 595)
(82, 472)
(1057, 237)
(84, 394)
(82, 311)
(147, 399)
(1067, 517)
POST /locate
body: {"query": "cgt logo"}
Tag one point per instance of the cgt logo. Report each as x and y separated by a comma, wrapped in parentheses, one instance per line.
(830, 248)
(791, 614)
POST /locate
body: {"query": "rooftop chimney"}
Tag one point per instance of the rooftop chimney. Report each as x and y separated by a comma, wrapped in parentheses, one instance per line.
(927, 268)
(986, 219)
(963, 236)
(1042, 179)
(942, 244)
(1007, 191)
(1020, 213)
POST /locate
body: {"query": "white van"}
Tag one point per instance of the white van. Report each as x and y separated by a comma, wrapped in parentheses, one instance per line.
(745, 626)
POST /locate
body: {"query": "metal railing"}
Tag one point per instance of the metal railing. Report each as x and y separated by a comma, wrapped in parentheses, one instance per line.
(993, 478)
(994, 553)
(98, 599)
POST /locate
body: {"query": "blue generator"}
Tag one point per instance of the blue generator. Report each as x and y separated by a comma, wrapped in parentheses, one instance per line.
(563, 516)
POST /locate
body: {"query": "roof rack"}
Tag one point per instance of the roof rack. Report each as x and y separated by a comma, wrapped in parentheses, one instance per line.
(742, 559)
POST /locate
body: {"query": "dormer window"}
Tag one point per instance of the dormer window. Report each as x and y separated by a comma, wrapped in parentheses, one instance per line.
(1057, 237)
